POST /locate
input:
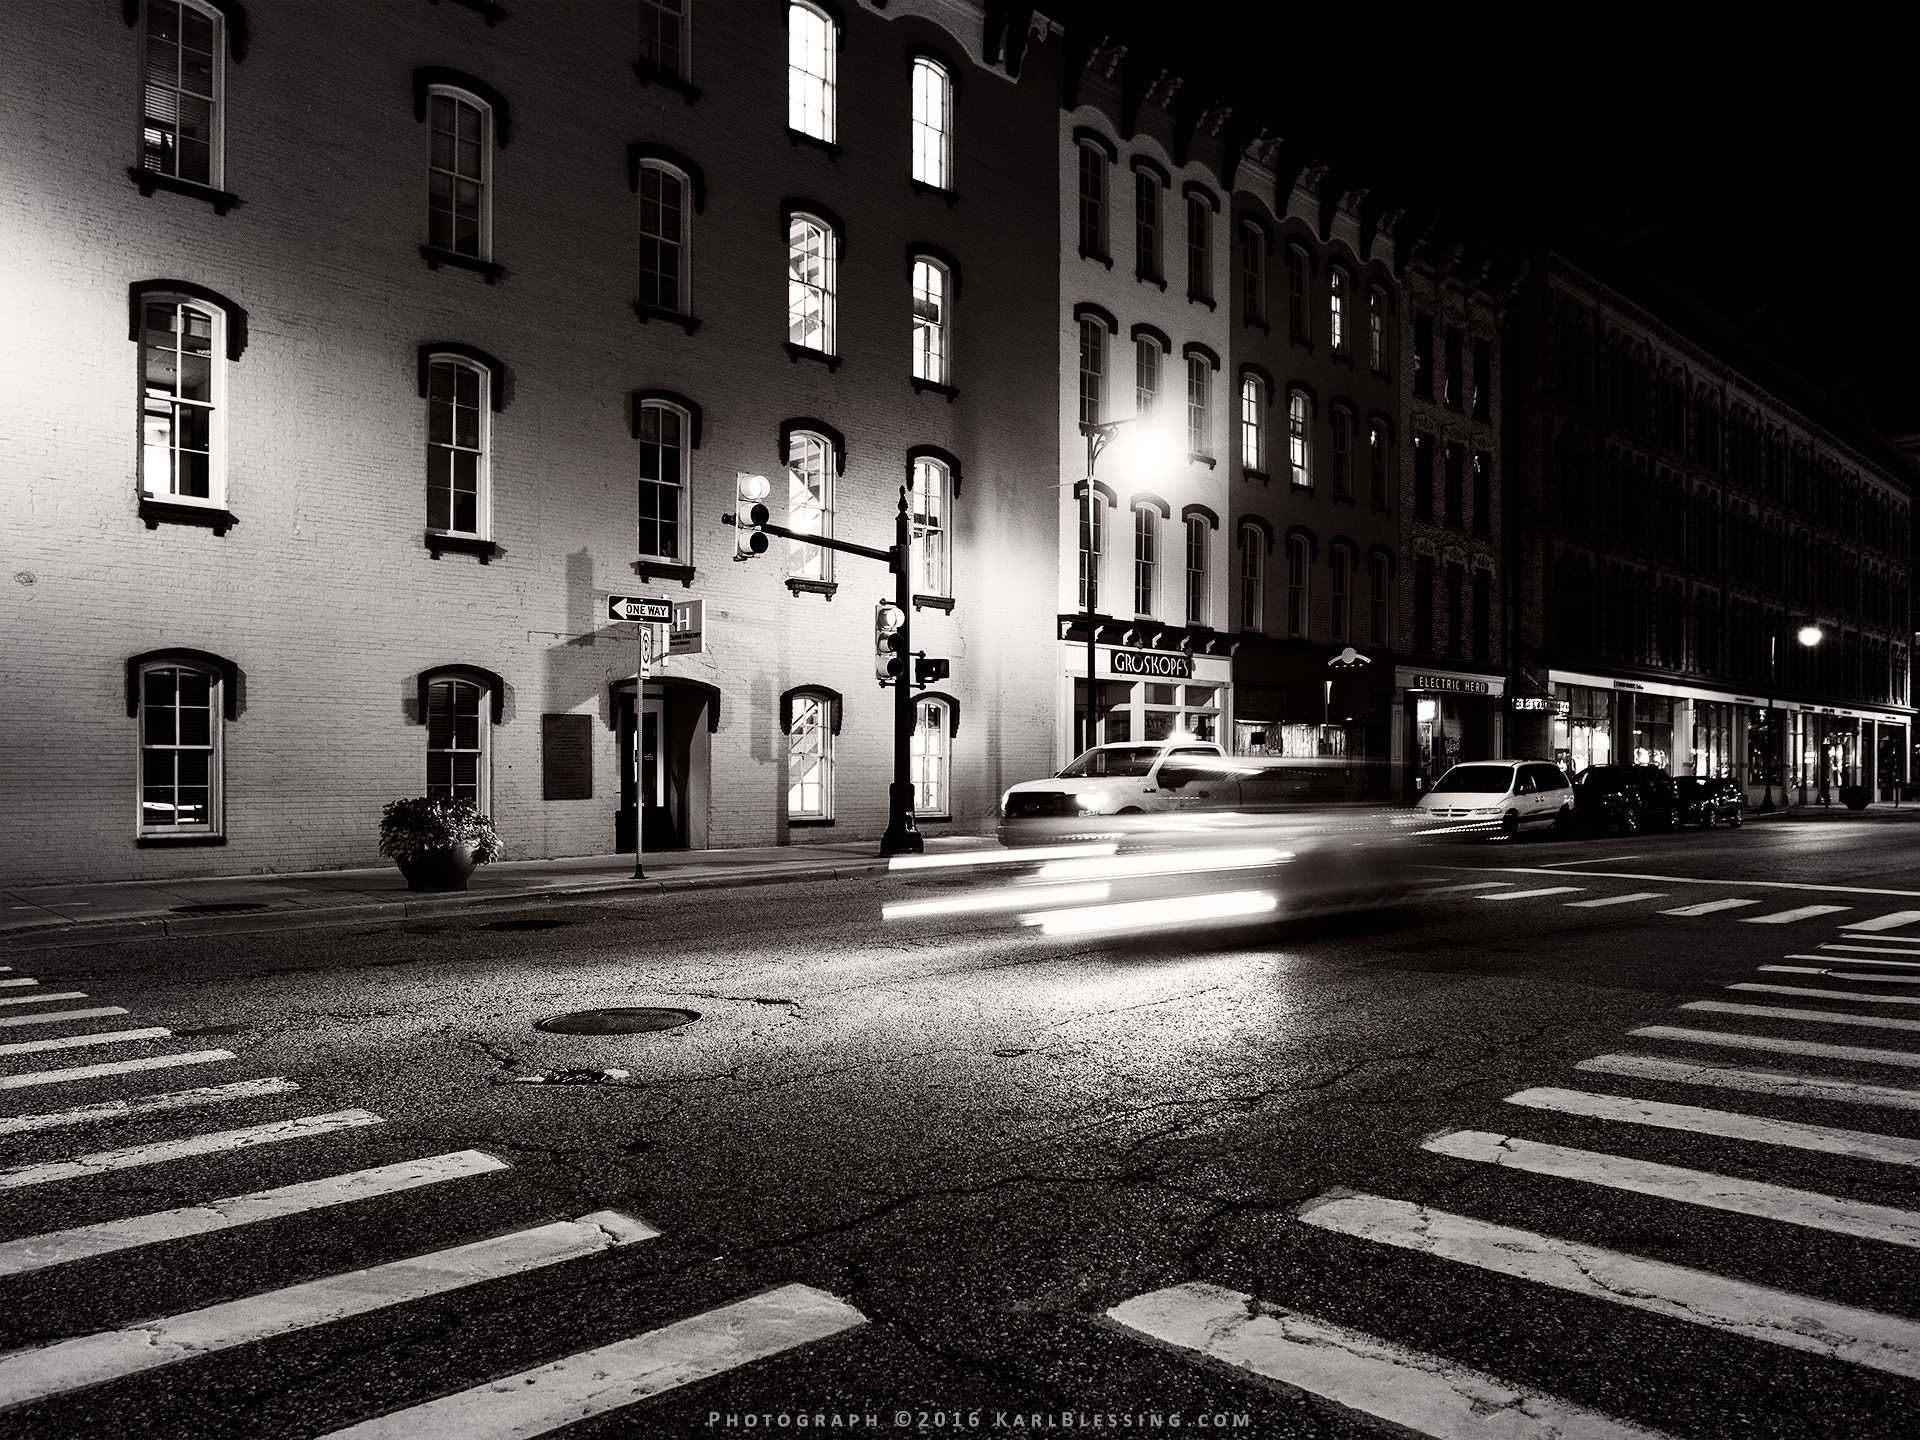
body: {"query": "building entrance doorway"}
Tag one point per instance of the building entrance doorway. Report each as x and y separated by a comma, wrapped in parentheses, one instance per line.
(665, 758)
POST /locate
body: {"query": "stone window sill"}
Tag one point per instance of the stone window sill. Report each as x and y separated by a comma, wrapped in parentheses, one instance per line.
(439, 542)
(651, 570)
(167, 512)
(649, 313)
(152, 180)
(797, 353)
(1193, 299)
(921, 187)
(1344, 500)
(933, 602)
(800, 586)
(436, 257)
(921, 387)
(797, 138)
(1106, 260)
(1302, 341)
(1151, 280)
(168, 842)
(1250, 473)
(1194, 457)
(647, 73)
(810, 824)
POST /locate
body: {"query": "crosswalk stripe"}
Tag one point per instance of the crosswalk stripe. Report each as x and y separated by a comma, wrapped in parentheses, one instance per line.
(111, 1067)
(1813, 1048)
(96, 1013)
(44, 998)
(623, 1373)
(1793, 1084)
(1709, 907)
(1780, 1012)
(1725, 1124)
(1756, 1312)
(40, 1252)
(214, 1142)
(1535, 894)
(146, 1105)
(1472, 885)
(111, 1354)
(1884, 922)
(1787, 917)
(75, 1042)
(1854, 995)
(11, 983)
(1616, 899)
(1860, 959)
(1844, 974)
(1913, 955)
(1408, 1389)
(1805, 1208)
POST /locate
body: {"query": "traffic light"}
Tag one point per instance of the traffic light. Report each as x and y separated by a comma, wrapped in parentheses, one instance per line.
(749, 515)
(888, 621)
(926, 671)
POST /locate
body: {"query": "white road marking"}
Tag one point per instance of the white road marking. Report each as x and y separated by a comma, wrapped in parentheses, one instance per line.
(1861, 960)
(11, 983)
(44, 998)
(1787, 917)
(1868, 950)
(214, 1142)
(1533, 894)
(75, 1042)
(1792, 1084)
(40, 1252)
(1726, 1124)
(1407, 1389)
(1811, 1048)
(1884, 922)
(1615, 899)
(48, 1018)
(1843, 974)
(1684, 880)
(1471, 885)
(111, 1067)
(110, 1354)
(1709, 907)
(146, 1105)
(1824, 1017)
(1795, 969)
(1756, 1312)
(1688, 1187)
(624, 1373)
(1831, 994)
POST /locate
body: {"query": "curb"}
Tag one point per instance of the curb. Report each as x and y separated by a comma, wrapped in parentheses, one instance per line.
(102, 932)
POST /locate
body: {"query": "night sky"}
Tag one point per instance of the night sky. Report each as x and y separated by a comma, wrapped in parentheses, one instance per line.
(1776, 175)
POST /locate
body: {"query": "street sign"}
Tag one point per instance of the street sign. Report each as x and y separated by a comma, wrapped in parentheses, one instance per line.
(656, 609)
(688, 633)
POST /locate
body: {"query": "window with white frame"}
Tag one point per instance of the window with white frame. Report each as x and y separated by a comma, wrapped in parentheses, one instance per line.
(1198, 379)
(1146, 225)
(1297, 585)
(1377, 461)
(1146, 559)
(1253, 274)
(1199, 258)
(1252, 553)
(181, 123)
(1377, 329)
(932, 123)
(663, 37)
(930, 349)
(1092, 546)
(1342, 448)
(1340, 632)
(1093, 201)
(458, 215)
(931, 757)
(1253, 423)
(1299, 451)
(1337, 287)
(813, 45)
(930, 554)
(1197, 569)
(1146, 375)
(181, 707)
(810, 282)
(810, 760)
(1377, 600)
(183, 386)
(457, 402)
(663, 482)
(1093, 368)
(663, 238)
(809, 505)
(1299, 323)
(457, 742)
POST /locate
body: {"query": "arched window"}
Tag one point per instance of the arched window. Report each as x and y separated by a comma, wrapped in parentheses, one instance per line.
(1146, 559)
(1197, 383)
(1146, 225)
(460, 172)
(1092, 547)
(183, 355)
(1093, 201)
(457, 450)
(932, 502)
(1299, 448)
(663, 432)
(1299, 322)
(932, 123)
(1377, 330)
(930, 349)
(1197, 529)
(931, 756)
(810, 759)
(1340, 631)
(809, 505)
(1146, 374)
(1093, 366)
(1342, 445)
(1252, 555)
(813, 45)
(1338, 289)
(1253, 438)
(811, 263)
(182, 704)
(457, 762)
(1199, 253)
(1377, 600)
(664, 239)
(1253, 274)
(1297, 585)
(182, 126)
(1377, 461)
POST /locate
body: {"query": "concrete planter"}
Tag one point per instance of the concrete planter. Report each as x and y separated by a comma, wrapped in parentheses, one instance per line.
(443, 869)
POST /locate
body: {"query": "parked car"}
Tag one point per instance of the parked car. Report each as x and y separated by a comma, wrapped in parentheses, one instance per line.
(1626, 798)
(1707, 800)
(1500, 797)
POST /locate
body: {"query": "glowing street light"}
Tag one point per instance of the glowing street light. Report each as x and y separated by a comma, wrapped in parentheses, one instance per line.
(1148, 452)
(1811, 635)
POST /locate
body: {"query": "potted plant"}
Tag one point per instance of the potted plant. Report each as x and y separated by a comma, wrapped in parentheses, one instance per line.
(1854, 797)
(437, 841)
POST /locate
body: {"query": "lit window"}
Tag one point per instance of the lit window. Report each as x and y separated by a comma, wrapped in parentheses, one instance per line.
(1253, 274)
(1146, 226)
(932, 494)
(1092, 546)
(1146, 375)
(1093, 202)
(1251, 551)
(1146, 557)
(180, 715)
(663, 239)
(1297, 585)
(458, 216)
(1299, 326)
(180, 128)
(1377, 600)
(1197, 369)
(456, 742)
(812, 52)
(1253, 446)
(930, 321)
(1337, 310)
(1199, 259)
(1196, 570)
(1377, 461)
(1093, 366)
(932, 758)
(456, 447)
(663, 482)
(1337, 621)
(810, 281)
(932, 123)
(810, 760)
(183, 382)
(1299, 450)
(1377, 329)
(809, 505)
(663, 37)
(1342, 444)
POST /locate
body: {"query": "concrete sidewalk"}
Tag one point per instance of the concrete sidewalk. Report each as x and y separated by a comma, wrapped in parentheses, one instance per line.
(85, 913)
(1877, 810)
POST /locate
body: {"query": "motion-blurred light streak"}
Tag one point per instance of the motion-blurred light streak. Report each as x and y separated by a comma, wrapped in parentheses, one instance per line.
(1178, 862)
(987, 900)
(995, 857)
(1184, 911)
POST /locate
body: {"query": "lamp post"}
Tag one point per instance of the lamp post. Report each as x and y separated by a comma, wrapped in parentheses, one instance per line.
(1809, 636)
(1099, 436)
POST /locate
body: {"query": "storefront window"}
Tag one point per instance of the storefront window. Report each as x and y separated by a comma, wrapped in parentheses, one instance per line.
(1762, 748)
(1584, 736)
(1653, 731)
(1287, 741)
(1150, 710)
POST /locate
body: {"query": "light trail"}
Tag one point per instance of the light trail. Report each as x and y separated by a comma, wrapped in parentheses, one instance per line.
(988, 900)
(998, 857)
(1139, 915)
(1180, 862)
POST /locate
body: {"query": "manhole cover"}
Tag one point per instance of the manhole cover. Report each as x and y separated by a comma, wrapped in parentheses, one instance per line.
(238, 907)
(525, 924)
(627, 1021)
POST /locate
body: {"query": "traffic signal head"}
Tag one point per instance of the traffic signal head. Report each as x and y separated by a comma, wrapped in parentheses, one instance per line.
(888, 621)
(749, 515)
(926, 671)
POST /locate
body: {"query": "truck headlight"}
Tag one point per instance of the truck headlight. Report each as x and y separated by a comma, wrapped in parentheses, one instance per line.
(1087, 804)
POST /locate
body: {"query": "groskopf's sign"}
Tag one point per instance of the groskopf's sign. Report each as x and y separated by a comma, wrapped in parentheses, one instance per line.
(1167, 665)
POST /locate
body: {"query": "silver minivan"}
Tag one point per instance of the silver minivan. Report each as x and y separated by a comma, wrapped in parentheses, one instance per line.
(1503, 796)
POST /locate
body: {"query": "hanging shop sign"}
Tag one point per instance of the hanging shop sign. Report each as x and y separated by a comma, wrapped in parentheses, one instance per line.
(1455, 684)
(1167, 665)
(1541, 705)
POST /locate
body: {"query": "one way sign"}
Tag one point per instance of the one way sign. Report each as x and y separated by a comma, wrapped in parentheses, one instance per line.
(654, 608)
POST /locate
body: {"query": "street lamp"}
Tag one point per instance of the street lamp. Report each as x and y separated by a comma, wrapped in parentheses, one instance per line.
(1150, 452)
(1809, 636)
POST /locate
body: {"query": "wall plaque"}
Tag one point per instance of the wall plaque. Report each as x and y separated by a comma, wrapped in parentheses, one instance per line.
(566, 757)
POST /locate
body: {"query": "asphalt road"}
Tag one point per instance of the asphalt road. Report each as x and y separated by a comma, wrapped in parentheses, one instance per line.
(983, 1141)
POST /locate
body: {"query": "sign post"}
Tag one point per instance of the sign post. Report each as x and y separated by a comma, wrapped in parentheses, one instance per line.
(645, 611)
